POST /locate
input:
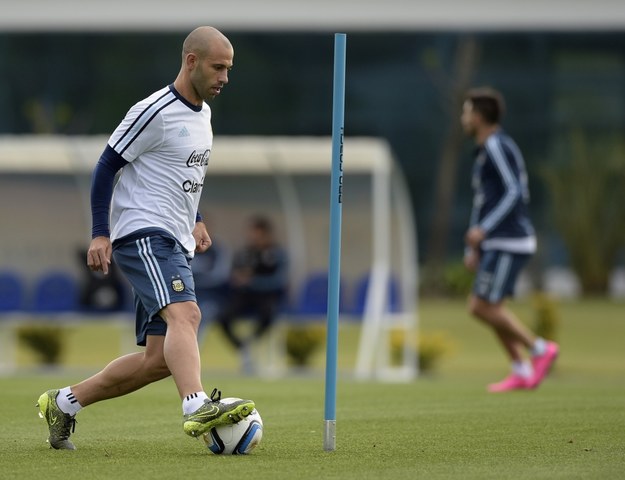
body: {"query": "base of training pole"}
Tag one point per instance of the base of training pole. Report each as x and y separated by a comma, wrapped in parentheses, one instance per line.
(329, 436)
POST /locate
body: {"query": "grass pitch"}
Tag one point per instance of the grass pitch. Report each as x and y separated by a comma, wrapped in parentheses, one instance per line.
(441, 426)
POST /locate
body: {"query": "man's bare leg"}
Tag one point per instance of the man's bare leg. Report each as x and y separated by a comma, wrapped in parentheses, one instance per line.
(180, 349)
(125, 374)
(508, 327)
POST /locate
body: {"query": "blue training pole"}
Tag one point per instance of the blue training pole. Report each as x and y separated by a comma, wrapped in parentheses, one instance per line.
(334, 260)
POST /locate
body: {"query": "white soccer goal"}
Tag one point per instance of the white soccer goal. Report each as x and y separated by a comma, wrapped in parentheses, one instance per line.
(284, 177)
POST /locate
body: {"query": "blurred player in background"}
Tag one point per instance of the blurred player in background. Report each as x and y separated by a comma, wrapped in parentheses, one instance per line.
(162, 148)
(501, 239)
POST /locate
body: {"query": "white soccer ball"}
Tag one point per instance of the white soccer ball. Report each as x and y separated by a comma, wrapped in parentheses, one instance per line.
(236, 439)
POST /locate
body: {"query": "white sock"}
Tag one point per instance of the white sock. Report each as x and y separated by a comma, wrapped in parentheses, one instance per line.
(192, 402)
(523, 369)
(67, 402)
(539, 347)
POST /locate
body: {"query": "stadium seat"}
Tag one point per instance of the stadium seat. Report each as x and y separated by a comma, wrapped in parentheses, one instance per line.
(313, 296)
(360, 295)
(55, 291)
(11, 291)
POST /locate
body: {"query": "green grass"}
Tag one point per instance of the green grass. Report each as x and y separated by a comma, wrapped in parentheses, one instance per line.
(441, 426)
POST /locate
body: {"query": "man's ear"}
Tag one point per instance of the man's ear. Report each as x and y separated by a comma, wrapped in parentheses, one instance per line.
(191, 61)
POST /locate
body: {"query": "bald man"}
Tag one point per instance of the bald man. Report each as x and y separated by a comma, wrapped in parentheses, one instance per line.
(150, 224)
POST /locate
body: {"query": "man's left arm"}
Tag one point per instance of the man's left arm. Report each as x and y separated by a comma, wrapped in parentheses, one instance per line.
(511, 187)
(201, 236)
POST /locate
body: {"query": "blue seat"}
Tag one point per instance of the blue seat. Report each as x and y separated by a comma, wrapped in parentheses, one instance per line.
(313, 296)
(362, 288)
(55, 291)
(12, 291)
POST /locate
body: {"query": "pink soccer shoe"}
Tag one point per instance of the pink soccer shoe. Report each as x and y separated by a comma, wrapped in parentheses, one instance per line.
(543, 363)
(511, 382)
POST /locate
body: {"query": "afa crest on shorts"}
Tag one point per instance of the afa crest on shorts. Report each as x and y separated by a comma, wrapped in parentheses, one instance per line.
(177, 285)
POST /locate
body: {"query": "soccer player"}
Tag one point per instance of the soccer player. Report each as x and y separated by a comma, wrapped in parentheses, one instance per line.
(162, 148)
(501, 239)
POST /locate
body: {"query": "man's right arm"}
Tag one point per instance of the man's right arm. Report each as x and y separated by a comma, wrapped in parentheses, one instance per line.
(99, 254)
(102, 190)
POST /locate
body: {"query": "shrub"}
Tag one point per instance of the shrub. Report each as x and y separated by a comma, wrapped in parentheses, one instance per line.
(302, 341)
(546, 316)
(587, 201)
(458, 279)
(454, 280)
(46, 341)
(430, 347)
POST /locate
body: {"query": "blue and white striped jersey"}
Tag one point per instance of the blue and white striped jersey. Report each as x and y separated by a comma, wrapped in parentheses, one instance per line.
(501, 196)
(167, 143)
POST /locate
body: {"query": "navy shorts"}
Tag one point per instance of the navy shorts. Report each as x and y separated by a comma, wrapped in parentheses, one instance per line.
(159, 271)
(497, 274)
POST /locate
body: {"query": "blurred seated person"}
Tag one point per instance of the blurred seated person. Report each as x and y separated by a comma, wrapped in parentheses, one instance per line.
(258, 285)
(101, 293)
(211, 274)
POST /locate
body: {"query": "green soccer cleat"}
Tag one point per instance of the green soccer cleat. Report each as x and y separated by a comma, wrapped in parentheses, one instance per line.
(214, 413)
(60, 424)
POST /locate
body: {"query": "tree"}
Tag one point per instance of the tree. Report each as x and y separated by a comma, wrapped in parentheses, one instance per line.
(588, 199)
(452, 94)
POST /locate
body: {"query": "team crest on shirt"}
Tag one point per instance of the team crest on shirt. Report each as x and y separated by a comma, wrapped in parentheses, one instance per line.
(177, 285)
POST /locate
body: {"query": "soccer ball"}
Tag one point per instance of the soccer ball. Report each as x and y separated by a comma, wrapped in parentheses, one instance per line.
(236, 439)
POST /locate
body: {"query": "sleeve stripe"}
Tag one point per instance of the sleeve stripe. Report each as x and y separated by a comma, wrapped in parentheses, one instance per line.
(145, 125)
(493, 146)
(142, 120)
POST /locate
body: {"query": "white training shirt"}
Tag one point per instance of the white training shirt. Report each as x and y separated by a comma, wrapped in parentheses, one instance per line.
(167, 141)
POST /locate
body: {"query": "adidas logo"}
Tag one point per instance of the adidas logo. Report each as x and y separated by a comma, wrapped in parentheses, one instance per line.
(184, 132)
